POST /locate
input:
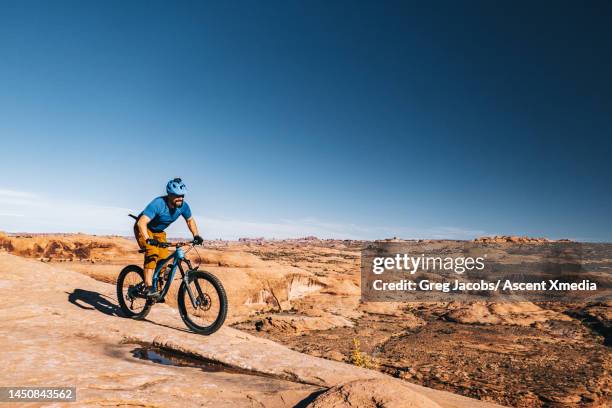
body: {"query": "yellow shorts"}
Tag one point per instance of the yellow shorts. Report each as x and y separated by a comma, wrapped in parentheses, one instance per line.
(152, 253)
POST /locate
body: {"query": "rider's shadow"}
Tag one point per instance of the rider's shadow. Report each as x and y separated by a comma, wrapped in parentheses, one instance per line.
(96, 301)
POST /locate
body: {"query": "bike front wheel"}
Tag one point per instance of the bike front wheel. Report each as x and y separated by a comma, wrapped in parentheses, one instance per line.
(206, 313)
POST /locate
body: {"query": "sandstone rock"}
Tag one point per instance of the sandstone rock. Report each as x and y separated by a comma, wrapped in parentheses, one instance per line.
(69, 332)
(334, 355)
(374, 393)
(297, 323)
(514, 314)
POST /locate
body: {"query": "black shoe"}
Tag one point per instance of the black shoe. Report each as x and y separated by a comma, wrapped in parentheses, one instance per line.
(152, 293)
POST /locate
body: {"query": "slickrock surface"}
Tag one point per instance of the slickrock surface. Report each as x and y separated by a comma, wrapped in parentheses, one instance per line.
(61, 328)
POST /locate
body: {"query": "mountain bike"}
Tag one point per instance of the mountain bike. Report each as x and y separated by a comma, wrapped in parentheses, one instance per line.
(202, 300)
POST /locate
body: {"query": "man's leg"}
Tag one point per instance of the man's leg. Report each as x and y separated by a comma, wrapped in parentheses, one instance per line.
(151, 257)
(162, 253)
(148, 277)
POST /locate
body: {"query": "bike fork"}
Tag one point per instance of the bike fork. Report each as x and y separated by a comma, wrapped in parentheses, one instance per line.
(190, 292)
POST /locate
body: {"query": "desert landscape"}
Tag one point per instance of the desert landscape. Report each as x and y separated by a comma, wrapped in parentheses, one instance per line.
(297, 333)
(396, 204)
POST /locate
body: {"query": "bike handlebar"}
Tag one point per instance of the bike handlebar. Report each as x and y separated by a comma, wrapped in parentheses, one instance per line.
(171, 244)
(175, 244)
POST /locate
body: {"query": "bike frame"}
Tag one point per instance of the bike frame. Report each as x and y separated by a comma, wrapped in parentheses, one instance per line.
(177, 257)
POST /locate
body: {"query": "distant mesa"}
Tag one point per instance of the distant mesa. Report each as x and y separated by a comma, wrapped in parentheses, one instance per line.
(256, 240)
(310, 238)
(259, 240)
(513, 239)
(497, 239)
(394, 239)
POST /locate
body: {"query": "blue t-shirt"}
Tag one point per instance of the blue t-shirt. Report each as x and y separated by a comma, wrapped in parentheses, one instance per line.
(161, 216)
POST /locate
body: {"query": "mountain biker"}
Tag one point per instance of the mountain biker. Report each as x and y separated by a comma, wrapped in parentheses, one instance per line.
(154, 219)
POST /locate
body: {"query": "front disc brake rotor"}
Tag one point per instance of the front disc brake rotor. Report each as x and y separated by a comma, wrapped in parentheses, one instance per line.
(204, 302)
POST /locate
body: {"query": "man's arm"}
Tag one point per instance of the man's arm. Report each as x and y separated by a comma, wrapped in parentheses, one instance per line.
(142, 226)
(192, 226)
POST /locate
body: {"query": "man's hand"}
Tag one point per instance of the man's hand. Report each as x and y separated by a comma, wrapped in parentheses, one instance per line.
(197, 240)
(153, 241)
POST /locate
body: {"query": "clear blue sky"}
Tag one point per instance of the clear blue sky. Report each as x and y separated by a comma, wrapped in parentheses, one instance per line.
(343, 118)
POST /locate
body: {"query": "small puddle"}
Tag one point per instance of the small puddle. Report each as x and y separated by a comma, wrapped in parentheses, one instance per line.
(171, 358)
(164, 356)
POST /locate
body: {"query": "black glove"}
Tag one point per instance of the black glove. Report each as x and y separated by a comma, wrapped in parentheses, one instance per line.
(197, 240)
(153, 241)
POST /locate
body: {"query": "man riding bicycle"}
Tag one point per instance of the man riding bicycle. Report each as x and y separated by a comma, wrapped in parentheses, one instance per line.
(154, 219)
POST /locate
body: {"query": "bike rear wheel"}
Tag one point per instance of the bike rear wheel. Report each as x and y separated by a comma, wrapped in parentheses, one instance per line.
(131, 291)
(210, 309)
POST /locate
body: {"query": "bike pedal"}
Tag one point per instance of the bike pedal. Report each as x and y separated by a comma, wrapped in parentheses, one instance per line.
(153, 299)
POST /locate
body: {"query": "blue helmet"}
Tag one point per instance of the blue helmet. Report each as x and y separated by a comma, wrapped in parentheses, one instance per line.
(176, 187)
